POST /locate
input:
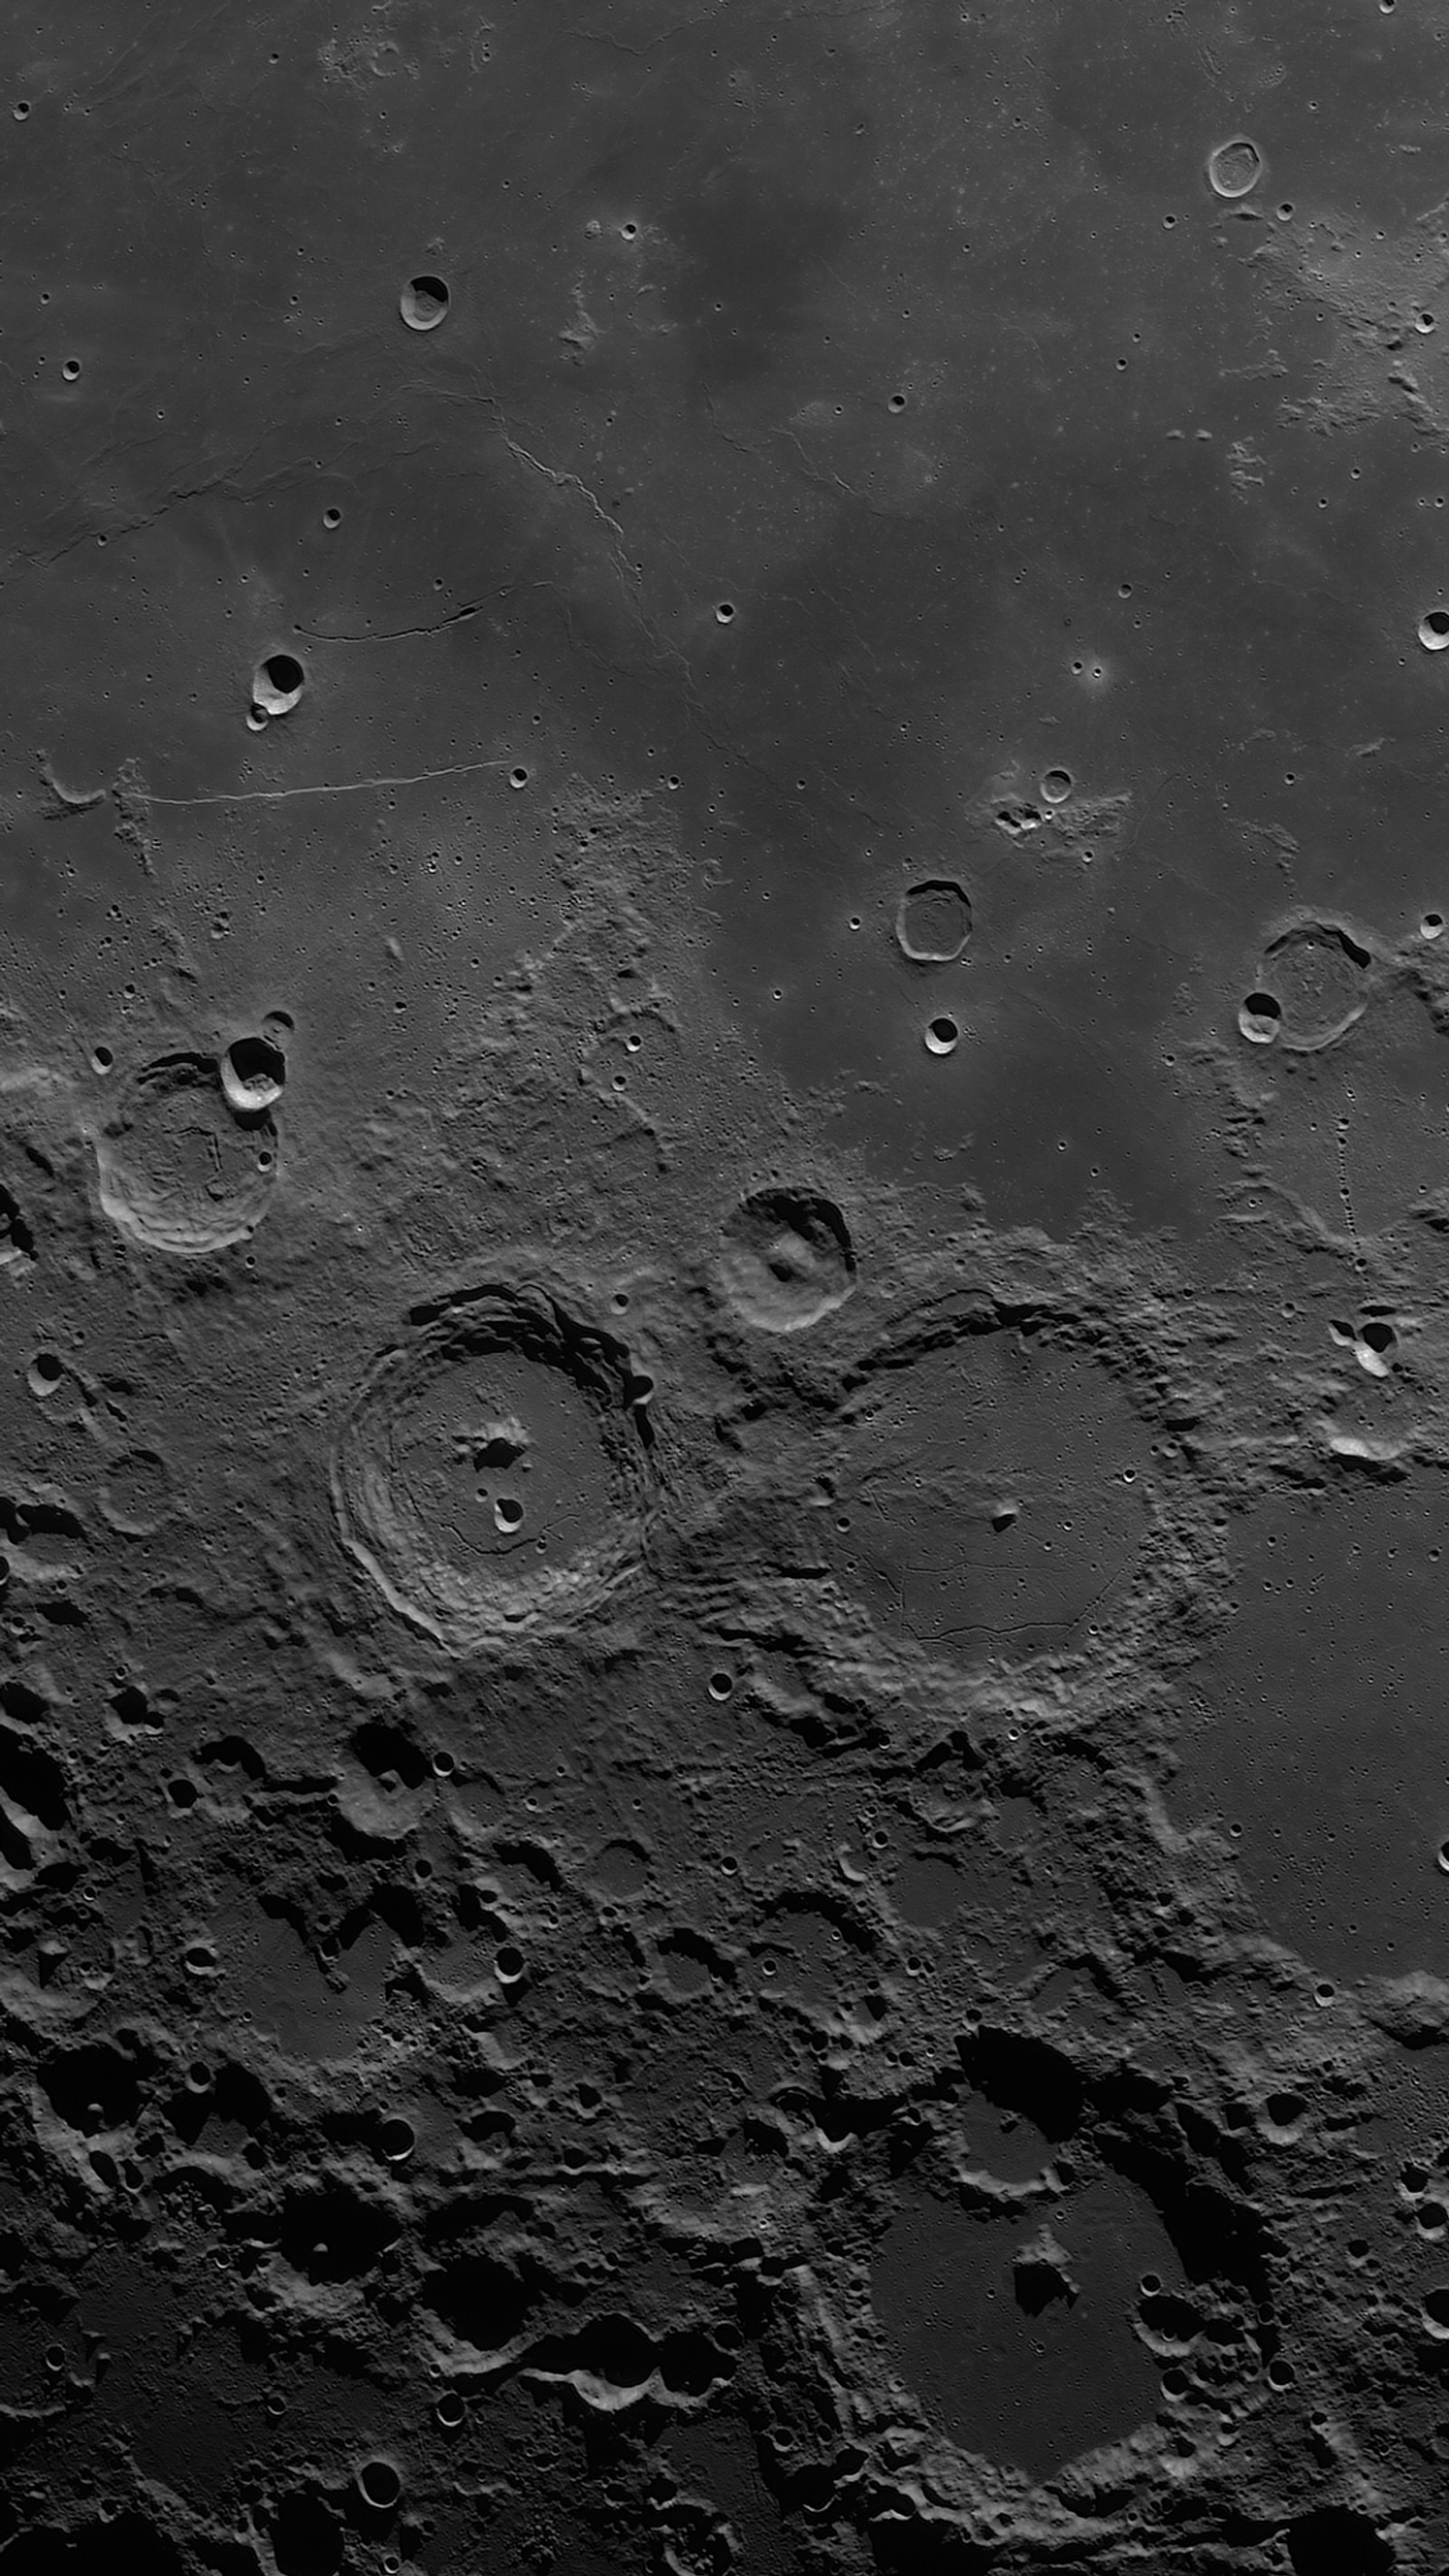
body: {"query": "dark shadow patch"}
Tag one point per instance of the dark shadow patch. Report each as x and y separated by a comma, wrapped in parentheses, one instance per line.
(95, 2086)
(1018, 2073)
(93, 2549)
(328, 2233)
(481, 2299)
(307, 2537)
(1337, 2540)
(389, 1755)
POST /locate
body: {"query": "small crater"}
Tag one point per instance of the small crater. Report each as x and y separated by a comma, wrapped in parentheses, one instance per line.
(620, 1871)
(1434, 629)
(1260, 1017)
(1283, 2117)
(136, 1493)
(787, 1259)
(277, 684)
(1170, 2324)
(1375, 1345)
(933, 921)
(943, 1035)
(380, 2484)
(1235, 167)
(424, 303)
(253, 1072)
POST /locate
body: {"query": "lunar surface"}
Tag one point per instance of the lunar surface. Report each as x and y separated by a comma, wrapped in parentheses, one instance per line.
(724, 1266)
(484, 1477)
(178, 1164)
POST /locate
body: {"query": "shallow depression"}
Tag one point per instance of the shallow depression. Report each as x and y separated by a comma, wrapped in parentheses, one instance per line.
(175, 1169)
(1234, 167)
(933, 921)
(989, 1497)
(1318, 975)
(137, 1493)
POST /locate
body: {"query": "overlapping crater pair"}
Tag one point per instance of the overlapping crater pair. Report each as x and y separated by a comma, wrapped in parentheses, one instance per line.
(187, 1160)
(494, 1475)
(982, 1485)
(1314, 982)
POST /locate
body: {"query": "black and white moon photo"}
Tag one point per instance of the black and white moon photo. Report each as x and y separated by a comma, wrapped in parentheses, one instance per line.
(724, 1335)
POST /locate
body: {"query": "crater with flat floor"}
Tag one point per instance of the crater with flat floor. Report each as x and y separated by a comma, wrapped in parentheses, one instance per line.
(1318, 975)
(933, 921)
(987, 1491)
(491, 1475)
(1016, 2328)
(175, 1168)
